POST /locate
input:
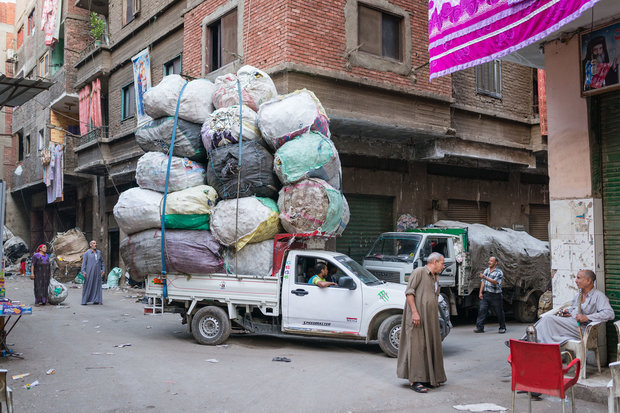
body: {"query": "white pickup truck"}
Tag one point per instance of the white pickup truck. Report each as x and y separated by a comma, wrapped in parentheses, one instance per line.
(361, 307)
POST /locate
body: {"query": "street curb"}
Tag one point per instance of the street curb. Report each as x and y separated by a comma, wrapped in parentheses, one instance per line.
(596, 394)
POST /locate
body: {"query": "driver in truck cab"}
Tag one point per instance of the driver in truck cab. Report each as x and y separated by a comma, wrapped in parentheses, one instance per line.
(320, 276)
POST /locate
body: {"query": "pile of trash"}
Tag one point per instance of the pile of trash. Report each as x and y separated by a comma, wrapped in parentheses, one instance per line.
(247, 164)
(68, 248)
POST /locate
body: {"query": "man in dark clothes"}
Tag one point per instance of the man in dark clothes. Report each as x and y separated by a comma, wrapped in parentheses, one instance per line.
(93, 269)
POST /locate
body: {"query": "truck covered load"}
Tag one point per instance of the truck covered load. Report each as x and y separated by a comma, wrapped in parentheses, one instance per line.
(256, 88)
(184, 173)
(222, 127)
(252, 259)
(156, 135)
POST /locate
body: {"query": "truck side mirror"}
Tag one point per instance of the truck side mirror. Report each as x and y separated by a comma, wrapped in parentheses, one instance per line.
(347, 282)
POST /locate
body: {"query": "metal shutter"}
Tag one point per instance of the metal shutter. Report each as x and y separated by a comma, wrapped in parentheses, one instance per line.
(471, 212)
(539, 221)
(370, 216)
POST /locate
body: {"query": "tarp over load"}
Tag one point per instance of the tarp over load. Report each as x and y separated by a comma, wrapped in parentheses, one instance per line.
(196, 101)
(222, 127)
(187, 252)
(138, 209)
(253, 259)
(14, 249)
(525, 260)
(289, 116)
(257, 176)
(256, 88)
(190, 208)
(156, 136)
(311, 155)
(310, 205)
(257, 221)
(184, 173)
(69, 247)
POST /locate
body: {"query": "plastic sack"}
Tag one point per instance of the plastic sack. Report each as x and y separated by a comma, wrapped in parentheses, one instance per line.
(156, 136)
(184, 173)
(14, 249)
(312, 205)
(257, 221)
(138, 209)
(222, 127)
(253, 259)
(256, 88)
(196, 103)
(187, 252)
(56, 292)
(6, 234)
(289, 116)
(190, 208)
(79, 278)
(257, 176)
(312, 155)
(113, 276)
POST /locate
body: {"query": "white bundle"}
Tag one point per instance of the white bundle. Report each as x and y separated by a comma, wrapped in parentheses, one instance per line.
(152, 167)
(253, 259)
(256, 88)
(138, 209)
(196, 101)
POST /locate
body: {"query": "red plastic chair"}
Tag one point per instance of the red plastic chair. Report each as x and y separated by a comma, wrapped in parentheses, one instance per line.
(538, 368)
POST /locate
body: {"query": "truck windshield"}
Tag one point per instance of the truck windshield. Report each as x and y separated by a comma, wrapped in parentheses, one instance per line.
(395, 247)
(362, 273)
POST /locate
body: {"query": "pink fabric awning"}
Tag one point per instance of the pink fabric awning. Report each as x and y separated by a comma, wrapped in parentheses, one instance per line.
(466, 33)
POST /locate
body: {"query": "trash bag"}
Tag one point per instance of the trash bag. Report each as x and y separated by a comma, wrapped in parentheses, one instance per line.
(79, 279)
(311, 155)
(289, 116)
(138, 209)
(113, 276)
(190, 208)
(184, 173)
(7, 234)
(156, 136)
(222, 127)
(14, 249)
(256, 88)
(312, 205)
(252, 259)
(257, 221)
(56, 292)
(257, 176)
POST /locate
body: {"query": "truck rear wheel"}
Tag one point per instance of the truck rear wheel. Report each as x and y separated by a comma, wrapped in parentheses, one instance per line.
(210, 325)
(389, 335)
(527, 311)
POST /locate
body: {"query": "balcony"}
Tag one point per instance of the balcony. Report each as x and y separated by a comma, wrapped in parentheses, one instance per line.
(98, 6)
(94, 62)
(91, 152)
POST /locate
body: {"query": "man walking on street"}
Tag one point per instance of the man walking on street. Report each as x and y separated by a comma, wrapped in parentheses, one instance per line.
(93, 269)
(491, 295)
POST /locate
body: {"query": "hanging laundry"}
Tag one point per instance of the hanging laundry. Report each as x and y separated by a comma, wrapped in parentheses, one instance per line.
(84, 108)
(53, 174)
(48, 20)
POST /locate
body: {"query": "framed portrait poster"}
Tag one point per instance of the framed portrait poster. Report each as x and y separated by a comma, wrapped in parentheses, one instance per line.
(600, 59)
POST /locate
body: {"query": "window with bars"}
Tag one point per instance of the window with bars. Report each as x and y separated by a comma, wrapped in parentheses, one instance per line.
(380, 33)
(128, 101)
(221, 42)
(489, 79)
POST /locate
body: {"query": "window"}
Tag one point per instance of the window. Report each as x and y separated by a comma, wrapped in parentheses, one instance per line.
(489, 79)
(173, 67)
(20, 147)
(41, 139)
(20, 37)
(130, 10)
(31, 25)
(128, 102)
(379, 33)
(27, 146)
(57, 59)
(44, 65)
(222, 42)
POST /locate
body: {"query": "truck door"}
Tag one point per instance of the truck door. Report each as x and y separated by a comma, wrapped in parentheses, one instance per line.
(445, 246)
(307, 307)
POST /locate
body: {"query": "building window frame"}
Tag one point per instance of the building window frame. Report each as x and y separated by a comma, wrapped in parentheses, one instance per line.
(130, 10)
(31, 23)
(41, 139)
(27, 146)
(170, 64)
(129, 111)
(20, 146)
(44, 65)
(20, 36)
(489, 79)
(207, 23)
(382, 46)
(357, 57)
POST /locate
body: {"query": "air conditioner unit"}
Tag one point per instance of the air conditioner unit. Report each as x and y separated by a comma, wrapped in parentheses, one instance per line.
(10, 55)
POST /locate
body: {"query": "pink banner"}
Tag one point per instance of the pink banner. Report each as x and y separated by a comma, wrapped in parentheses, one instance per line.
(466, 33)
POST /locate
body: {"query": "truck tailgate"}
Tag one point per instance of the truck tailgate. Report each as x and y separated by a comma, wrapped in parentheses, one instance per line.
(220, 287)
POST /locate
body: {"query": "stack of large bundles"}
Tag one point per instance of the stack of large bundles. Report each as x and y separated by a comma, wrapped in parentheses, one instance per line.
(196, 101)
(312, 205)
(289, 116)
(156, 135)
(223, 125)
(255, 221)
(253, 259)
(190, 208)
(69, 247)
(311, 155)
(184, 173)
(186, 252)
(256, 88)
(138, 209)
(254, 177)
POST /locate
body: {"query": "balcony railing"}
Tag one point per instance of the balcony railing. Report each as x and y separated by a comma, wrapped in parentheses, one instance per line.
(91, 47)
(95, 134)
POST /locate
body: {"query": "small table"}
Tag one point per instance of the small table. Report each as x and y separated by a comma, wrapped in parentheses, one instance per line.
(9, 310)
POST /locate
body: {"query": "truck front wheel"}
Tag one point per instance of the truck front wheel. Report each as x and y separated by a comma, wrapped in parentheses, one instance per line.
(389, 335)
(210, 325)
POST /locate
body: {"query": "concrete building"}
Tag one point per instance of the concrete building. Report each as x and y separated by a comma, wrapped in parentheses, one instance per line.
(466, 147)
(7, 52)
(47, 124)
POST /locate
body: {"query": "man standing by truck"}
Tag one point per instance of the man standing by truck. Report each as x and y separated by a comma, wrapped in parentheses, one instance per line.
(491, 295)
(420, 355)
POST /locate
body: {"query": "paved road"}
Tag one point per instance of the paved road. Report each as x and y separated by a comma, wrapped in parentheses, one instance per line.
(164, 370)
